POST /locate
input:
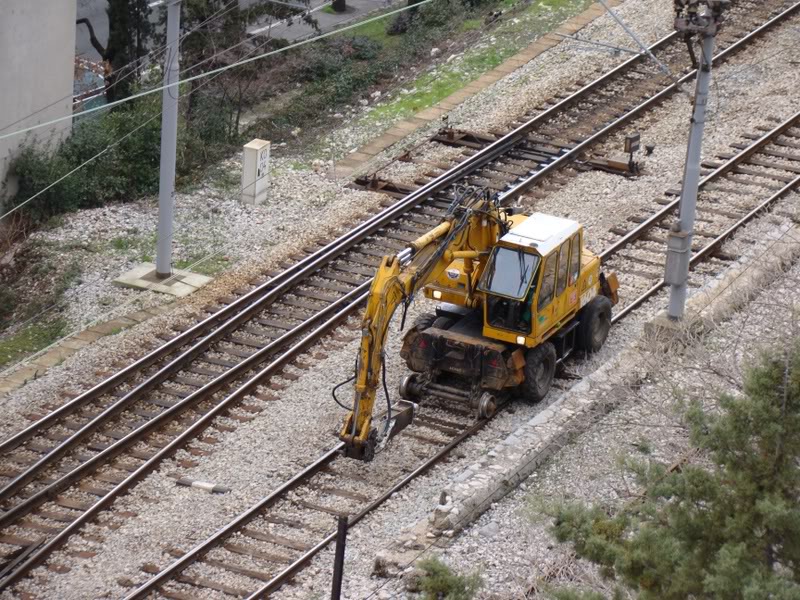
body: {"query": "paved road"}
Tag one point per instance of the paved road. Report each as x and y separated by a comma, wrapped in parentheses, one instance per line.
(95, 11)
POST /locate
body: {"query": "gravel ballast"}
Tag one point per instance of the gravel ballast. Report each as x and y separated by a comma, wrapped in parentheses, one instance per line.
(288, 433)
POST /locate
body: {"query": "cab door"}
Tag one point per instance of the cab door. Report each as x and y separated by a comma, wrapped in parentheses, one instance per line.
(544, 305)
(558, 294)
(568, 271)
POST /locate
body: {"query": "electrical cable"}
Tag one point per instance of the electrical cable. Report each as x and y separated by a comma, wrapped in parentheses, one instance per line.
(388, 400)
(217, 70)
(107, 148)
(132, 65)
(214, 73)
(39, 315)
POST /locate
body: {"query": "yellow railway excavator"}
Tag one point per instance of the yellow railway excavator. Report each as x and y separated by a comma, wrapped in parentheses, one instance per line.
(518, 294)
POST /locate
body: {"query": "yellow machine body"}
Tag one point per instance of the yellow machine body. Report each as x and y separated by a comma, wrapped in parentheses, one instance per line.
(527, 276)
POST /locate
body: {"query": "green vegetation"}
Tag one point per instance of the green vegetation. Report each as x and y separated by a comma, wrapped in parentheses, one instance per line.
(330, 74)
(470, 24)
(128, 170)
(510, 37)
(209, 267)
(440, 583)
(731, 530)
(30, 339)
(38, 305)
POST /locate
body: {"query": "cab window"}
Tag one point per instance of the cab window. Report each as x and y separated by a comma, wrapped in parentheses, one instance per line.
(548, 281)
(563, 258)
(509, 272)
(575, 259)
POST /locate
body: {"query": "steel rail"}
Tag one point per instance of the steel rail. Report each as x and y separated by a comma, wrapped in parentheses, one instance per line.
(255, 300)
(712, 246)
(352, 298)
(153, 584)
(198, 426)
(314, 262)
(250, 303)
(310, 264)
(201, 549)
(726, 167)
(571, 154)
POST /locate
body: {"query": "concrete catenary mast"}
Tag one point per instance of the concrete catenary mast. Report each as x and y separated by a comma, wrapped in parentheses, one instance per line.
(694, 18)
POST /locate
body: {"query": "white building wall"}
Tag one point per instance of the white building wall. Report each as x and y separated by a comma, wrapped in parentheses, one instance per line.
(37, 46)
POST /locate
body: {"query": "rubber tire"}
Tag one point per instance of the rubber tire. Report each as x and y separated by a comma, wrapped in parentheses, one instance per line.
(422, 322)
(540, 369)
(443, 323)
(594, 325)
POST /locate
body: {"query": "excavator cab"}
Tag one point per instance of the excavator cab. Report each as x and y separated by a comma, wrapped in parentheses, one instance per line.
(509, 284)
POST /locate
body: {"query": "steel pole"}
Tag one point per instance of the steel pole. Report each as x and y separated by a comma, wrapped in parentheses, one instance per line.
(680, 243)
(169, 143)
(338, 561)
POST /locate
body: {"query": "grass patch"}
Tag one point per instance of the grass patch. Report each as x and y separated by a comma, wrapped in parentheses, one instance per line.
(123, 243)
(376, 31)
(436, 86)
(29, 340)
(209, 267)
(329, 10)
(470, 25)
(510, 37)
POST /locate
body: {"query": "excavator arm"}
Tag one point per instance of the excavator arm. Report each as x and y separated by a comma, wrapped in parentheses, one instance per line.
(468, 234)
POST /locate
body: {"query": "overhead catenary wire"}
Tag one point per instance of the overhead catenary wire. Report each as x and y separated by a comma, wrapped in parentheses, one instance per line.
(133, 65)
(213, 73)
(39, 315)
(97, 281)
(217, 70)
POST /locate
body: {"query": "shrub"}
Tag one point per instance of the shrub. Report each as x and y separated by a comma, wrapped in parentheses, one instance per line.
(731, 531)
(440, 583)
(124, 172)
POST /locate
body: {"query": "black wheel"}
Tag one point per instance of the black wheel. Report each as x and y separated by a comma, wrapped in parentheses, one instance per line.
(422, 322)
(594, 324)
(443, 323)
(540, 368)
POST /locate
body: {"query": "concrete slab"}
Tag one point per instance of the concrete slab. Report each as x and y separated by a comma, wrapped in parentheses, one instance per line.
(55, 357)
(182, 283)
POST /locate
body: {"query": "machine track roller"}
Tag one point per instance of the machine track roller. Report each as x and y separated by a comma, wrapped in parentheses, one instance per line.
(486, 405)
(443, 323)
(410, 387)
(594, 325)
(540, 368)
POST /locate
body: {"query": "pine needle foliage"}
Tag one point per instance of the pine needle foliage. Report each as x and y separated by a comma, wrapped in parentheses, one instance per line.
(729, 531)
(439, 582)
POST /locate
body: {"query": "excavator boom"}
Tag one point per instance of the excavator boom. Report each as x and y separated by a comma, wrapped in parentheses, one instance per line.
(470, 229)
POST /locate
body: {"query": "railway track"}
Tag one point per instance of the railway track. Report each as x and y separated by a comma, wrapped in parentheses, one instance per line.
(240, 559)
(69, 465)
(560, 132)
(266, 545)
(733, 192)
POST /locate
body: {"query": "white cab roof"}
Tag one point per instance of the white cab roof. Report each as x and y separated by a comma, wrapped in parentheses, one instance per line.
(542, 232)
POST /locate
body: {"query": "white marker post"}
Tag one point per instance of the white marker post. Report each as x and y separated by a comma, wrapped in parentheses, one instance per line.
(255, 172)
